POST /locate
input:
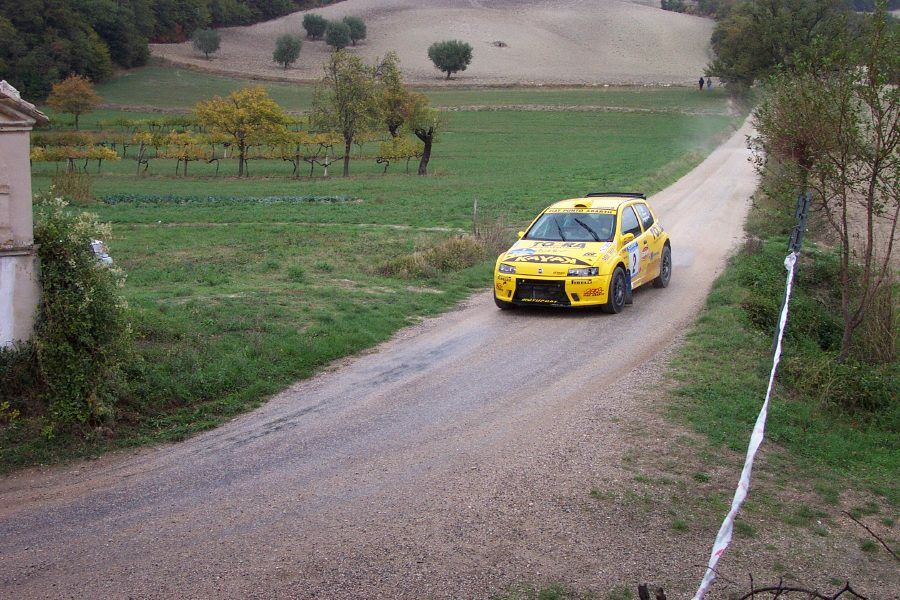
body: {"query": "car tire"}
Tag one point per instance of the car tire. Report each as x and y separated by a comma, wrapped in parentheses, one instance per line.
(665, 268)
(503, 305)
(616, 295)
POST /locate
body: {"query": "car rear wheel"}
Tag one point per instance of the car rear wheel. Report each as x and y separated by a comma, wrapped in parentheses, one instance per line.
(665, 268)
(616, 301)
(503, 305)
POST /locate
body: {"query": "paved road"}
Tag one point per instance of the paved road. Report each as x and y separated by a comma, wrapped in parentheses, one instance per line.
(423, 469)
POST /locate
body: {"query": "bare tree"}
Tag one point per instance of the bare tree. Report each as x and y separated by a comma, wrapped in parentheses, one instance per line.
(833, 125)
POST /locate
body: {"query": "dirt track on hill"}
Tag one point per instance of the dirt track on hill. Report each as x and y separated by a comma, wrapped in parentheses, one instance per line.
(561, 42)
(451, 461)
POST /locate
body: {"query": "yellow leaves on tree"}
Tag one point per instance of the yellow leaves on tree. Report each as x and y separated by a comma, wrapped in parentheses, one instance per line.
(248, 116)
(73, 95)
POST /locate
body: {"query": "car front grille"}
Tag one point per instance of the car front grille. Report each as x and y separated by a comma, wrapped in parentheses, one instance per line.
(541, 291)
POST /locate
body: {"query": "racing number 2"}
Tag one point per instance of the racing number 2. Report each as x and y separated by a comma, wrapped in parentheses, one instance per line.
(634, 259)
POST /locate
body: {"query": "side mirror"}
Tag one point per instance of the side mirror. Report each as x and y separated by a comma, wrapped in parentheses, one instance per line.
(627, 238)
(521, 234)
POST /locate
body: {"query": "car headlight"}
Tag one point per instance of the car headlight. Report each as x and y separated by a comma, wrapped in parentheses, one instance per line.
(584, 272)
(504, 268)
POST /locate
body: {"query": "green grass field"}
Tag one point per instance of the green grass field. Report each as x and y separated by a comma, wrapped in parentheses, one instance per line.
(232, 302)
(168, 88)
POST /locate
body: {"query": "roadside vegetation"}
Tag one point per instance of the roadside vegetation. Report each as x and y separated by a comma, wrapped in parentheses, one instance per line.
(827, 124)
(238, 286)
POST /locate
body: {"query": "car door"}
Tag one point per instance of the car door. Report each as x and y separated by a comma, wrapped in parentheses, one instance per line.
(653, 240)
(638, 250)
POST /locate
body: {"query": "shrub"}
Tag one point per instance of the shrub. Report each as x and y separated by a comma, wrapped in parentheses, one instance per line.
(337, 35)
(453, 254)
(357, 29)
(287, 50)
(315, 25)
(73, 186)
(82, 335)
(206, 41)
(450, 56)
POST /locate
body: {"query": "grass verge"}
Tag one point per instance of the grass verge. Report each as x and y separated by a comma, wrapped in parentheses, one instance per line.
(834, 420)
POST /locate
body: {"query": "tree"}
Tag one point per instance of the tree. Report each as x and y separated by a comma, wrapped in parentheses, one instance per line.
(424, 122)
(206, 41)
(392, 97)
(315, 25)
(357, 29)
(450, 56)
(344, 100)
(757, 37)
(287, 49)
(74, 95)
(832, 123)
(248, 116)
(337, 35)
(176, 20)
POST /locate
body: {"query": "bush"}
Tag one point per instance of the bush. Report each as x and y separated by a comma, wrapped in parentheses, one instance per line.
(82, 334)
(315, 25)
(453, 254)
(287, 50)
(337, 35)
(73, 186)
(357, 29)
(206, 41)
(450, 56)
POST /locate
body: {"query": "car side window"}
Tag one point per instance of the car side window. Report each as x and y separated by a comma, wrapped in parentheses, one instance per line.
(629, 222)
(645, 215)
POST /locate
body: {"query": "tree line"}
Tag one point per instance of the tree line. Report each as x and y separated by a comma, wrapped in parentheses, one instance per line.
(43, 41)
(354, 104)
(828, 123)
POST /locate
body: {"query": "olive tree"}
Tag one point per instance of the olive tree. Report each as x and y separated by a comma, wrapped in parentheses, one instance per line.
(450, 56)
(357, 29)
(206, 41)
(287, 50)
(315, 25)
(337, 35)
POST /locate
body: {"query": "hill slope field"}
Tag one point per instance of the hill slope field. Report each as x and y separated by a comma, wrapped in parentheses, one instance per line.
(567, 42)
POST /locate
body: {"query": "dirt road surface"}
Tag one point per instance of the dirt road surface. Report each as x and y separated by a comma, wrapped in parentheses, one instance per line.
(451, 461)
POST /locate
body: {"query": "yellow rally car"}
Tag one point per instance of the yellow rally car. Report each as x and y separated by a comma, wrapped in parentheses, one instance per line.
(585, 252)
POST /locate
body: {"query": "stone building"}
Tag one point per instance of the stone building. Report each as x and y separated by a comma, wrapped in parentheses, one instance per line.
(19, 286)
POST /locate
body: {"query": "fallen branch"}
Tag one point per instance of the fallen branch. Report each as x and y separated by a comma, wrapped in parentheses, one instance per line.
(873, 534)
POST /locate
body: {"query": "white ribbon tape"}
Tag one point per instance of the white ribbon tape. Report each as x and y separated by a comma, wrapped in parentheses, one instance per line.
(723, 539)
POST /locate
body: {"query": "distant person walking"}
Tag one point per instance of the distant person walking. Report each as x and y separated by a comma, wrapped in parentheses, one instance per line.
(708, 83)
(701, 84)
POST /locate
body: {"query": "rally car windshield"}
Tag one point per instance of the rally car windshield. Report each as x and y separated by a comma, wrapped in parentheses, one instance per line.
(573, 227)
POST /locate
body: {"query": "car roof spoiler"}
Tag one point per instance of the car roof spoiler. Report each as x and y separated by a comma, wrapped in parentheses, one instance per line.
(616, 195)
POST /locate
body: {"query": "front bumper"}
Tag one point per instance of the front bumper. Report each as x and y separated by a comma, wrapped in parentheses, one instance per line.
(530, 290)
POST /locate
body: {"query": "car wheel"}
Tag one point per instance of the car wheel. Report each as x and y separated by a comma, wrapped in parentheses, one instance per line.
(665, 268)
(503, 305)
(616, 301)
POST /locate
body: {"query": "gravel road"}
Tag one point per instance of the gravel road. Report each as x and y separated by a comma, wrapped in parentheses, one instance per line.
(448, 462)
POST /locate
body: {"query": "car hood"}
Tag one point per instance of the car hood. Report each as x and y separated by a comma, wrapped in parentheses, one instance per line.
(532, 257)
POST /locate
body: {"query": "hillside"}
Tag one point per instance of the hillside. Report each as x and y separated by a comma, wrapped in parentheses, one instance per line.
(565, 42)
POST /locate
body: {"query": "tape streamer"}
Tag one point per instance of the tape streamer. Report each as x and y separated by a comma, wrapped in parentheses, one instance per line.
(723, 539)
